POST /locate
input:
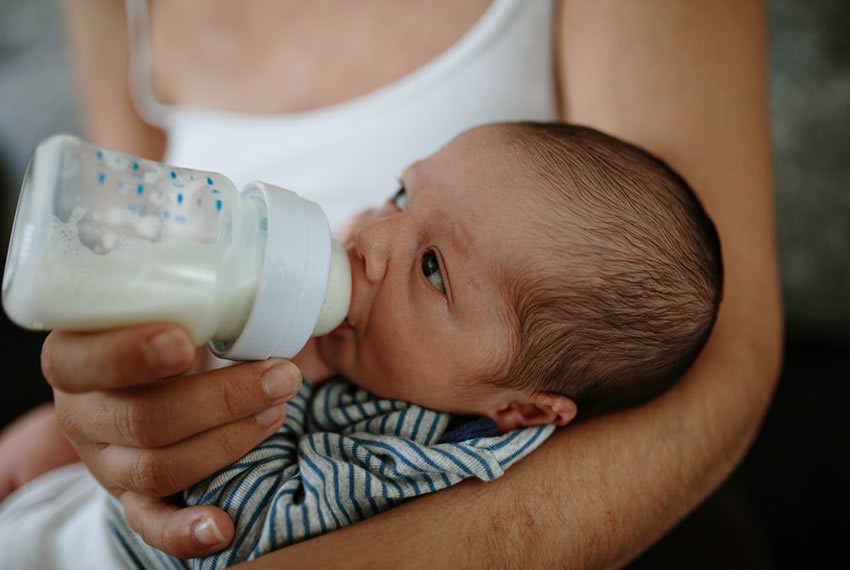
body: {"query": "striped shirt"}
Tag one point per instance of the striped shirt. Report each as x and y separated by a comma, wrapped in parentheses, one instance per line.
(341, 456)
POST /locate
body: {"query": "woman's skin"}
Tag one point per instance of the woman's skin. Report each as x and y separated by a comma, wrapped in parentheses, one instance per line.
(685, 80)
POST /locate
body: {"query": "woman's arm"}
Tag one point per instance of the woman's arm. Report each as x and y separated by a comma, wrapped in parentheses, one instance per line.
(31, 446)
(686, 80)
(98, 51)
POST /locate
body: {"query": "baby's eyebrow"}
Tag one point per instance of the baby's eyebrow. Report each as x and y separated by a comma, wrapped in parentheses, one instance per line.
(461, 238)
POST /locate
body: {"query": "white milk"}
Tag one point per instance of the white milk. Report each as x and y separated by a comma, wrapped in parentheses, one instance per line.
(139, 282)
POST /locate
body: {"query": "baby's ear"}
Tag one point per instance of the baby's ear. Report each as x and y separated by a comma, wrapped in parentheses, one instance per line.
(538, 408)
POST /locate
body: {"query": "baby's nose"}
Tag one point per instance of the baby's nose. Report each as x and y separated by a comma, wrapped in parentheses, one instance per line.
(373, 242)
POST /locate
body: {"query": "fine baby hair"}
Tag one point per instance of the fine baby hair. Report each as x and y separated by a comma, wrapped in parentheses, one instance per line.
(621, 294)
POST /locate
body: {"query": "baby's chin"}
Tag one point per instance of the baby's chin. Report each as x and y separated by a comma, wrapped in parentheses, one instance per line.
(346, 366)
(337, 352)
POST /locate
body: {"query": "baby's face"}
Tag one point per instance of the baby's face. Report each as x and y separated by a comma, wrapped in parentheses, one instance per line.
(429, 315)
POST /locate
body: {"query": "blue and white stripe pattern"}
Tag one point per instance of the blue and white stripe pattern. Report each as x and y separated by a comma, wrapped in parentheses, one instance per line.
(341, 456)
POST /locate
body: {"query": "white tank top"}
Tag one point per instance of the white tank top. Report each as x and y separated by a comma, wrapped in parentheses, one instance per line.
(349, 156)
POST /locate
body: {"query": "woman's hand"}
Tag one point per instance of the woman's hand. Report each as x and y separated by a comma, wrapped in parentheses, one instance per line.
(146, 432)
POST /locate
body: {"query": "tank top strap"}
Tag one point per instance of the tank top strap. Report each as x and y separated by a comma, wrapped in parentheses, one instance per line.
(141, 87)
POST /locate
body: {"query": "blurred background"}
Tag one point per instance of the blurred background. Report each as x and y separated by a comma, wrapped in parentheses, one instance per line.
(788, 505)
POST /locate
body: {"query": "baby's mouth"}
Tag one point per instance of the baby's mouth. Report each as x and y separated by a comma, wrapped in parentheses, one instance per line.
(345, 324)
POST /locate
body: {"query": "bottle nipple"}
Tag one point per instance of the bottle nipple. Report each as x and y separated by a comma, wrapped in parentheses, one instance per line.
(338, 296)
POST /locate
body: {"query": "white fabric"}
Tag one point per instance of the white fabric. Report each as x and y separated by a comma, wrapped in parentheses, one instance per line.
(57, 521)
(348, 157)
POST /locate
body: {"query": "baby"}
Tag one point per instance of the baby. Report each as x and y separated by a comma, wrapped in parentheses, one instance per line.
(527, 272)
(524, 275)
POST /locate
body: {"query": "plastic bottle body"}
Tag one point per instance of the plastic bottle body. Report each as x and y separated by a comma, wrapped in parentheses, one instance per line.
(103, 240)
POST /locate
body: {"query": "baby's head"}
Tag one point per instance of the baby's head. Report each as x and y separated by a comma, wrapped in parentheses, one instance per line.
(526, 270)
(619, 296)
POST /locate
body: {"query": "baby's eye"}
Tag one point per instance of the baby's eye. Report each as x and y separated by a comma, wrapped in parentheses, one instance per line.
(399, 199)
(431, 269)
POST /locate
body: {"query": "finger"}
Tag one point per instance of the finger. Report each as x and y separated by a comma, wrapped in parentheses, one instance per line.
(168, 470)
(162, 414)
(81, 362)
(182, 532)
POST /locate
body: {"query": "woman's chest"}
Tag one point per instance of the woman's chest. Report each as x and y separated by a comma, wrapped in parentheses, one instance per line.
(268, 56)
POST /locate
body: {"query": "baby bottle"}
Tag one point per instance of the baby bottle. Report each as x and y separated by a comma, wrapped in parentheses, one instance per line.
(102, 240)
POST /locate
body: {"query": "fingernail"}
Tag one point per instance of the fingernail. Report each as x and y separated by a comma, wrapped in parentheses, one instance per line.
(280, 381)
(270, 416)
(170, 350)
(205, 531)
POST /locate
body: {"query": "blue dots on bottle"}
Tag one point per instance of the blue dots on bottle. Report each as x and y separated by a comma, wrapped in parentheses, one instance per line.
(140, 190)
(165, 214)
(218, 205)
(209, 181)
(100, 154)
(175, 182)
(180, 198)
(135, 166)
(101, 178)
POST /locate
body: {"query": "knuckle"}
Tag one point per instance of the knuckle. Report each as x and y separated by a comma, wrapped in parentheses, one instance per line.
(150, 477)
(227, 441)
(143, 476)
(238, 391)
(137, 425)
(232, 401)
(236, 440)
(66, 421)
(229, 447)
